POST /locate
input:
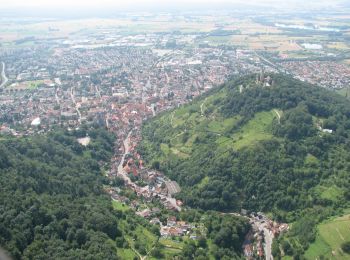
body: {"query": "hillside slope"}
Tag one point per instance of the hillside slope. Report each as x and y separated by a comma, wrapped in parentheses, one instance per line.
(276, 145)
(53, 204)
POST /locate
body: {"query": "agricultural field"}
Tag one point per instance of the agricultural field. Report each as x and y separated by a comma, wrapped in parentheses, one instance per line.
(342, 46)
(331, 234)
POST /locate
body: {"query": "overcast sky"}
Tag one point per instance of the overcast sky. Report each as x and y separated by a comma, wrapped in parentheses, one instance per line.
(95, 6)
(130, 3)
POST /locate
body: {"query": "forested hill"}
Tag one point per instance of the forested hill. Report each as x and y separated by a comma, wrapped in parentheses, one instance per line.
(271, 144)
(52, 204)
(275, 145)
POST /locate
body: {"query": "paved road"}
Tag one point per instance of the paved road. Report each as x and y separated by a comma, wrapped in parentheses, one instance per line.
(268, 244)
(4, 79)
(268, 237)
(261, 225)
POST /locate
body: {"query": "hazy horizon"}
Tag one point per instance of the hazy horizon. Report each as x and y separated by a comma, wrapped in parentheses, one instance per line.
(107, 7)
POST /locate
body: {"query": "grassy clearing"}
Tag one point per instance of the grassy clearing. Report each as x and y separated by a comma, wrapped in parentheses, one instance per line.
(168, 243)
(257, 129)
(119, 206)
(331, 234)
(331, 192)
(319, 247)
(311, 160)
(202, 119)
(344, 92)
(126, 254)
(146, 237)
(171, 247)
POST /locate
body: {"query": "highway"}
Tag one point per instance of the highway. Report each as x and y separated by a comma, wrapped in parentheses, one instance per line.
(4, 79)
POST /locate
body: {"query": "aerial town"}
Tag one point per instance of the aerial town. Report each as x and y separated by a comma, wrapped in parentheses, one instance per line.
(118, 81)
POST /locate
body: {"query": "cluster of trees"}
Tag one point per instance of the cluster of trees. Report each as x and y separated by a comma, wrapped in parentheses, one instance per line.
(52, 205)
(279, 175)
(226, 232)
(346, 247)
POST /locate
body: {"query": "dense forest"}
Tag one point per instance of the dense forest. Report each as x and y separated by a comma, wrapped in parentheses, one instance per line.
(276, 145)
(52, 205)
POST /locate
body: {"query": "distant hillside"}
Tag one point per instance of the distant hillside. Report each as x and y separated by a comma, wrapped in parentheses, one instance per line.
(271, 144)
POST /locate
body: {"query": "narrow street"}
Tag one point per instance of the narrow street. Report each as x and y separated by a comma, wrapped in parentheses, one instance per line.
(120, 170)
(123, 174)
(261, 225)
(268, 244)
(75, 104)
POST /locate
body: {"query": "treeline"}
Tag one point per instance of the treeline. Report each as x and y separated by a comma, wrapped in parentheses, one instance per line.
(226, 232)
(52, 205)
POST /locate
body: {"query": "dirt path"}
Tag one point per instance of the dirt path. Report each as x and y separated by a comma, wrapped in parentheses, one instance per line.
(340, 235)
(278, 115)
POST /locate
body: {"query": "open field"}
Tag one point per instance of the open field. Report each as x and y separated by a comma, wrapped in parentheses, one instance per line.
(257, 129)
(338, 46)
(331, 234)
(273, 42)
(252, 35)
(26, 85)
